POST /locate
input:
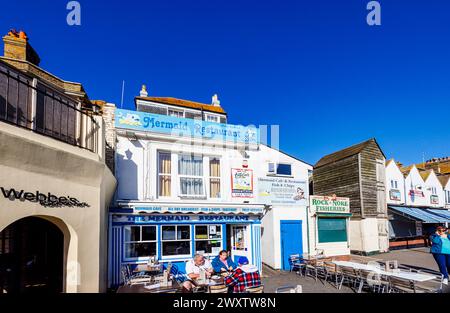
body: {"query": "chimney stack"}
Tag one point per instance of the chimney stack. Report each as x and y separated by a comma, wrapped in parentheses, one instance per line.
(17, 47)
(215, 101)
(143, 92)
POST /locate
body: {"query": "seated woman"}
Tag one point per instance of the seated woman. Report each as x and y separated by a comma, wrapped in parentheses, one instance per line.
(223, 263)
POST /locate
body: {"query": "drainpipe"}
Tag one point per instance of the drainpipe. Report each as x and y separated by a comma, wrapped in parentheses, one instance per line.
(307, 228)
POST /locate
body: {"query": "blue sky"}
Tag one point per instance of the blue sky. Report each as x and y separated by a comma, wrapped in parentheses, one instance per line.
(313, 67)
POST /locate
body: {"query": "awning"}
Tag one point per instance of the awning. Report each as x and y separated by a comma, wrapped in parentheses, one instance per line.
(441, 213)
(419, 214)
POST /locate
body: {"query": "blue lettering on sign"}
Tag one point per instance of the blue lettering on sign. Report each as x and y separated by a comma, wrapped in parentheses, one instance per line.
(181, 127)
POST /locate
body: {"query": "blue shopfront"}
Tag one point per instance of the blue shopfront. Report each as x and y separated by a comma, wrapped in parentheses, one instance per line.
(174, 234)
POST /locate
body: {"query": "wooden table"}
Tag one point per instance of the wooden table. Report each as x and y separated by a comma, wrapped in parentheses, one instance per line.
(418, 277)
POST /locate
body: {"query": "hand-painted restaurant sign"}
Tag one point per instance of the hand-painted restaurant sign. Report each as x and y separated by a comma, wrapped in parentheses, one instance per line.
(184, 127)
(324, 204)
(179, 218)
(159, 209)
(286, 191)
(44, 199)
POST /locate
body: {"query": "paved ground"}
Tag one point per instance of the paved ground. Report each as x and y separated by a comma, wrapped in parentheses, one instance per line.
(415, 258)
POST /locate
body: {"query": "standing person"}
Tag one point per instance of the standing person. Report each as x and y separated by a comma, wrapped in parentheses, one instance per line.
(193, 268)
(246, 275)
(223, 263)
(440, 248)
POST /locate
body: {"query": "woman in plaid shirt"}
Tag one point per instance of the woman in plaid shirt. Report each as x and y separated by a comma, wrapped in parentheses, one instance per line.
(246, 275)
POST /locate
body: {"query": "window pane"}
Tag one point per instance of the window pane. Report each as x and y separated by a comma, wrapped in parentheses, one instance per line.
(191, 186)
(284, 169)
(332, 229)
(190, 165)
(214, 186)
(176, 248)
(214, 168)
(164, 163)
(148, 233)
(168, 232)
(201, 232)
(135, 250)
(164, 185)
(133, 233)
(215, 231)
(208, 246)
(183, 232)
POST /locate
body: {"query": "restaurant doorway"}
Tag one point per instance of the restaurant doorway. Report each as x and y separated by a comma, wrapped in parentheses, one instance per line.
(31, 257)
(238, 242)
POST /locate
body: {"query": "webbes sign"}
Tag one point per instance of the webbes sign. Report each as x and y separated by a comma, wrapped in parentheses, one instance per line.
(185, 127)
(44, 199)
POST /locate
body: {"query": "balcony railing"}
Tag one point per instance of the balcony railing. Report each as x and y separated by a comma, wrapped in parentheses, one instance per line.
(30, 103)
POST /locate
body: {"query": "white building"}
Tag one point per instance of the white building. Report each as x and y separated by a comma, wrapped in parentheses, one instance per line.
(445, 181)
(187, 185)
(395, 184)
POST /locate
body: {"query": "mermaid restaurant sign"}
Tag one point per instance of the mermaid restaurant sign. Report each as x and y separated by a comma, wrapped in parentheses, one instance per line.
(185, 127)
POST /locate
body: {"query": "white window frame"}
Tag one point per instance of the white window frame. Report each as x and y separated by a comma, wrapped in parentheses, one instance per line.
(214, 177)
(180, 176)
(175, 110)
(220, 240)
(275, 167)
(434, 191)
(141, 258)
(176, 240)
(215, 116)
(394, 184)
(158, 153)
(447, 196)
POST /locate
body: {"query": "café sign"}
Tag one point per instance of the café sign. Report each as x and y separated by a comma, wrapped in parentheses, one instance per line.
(185, 127)
(284, 191)
(332, 204)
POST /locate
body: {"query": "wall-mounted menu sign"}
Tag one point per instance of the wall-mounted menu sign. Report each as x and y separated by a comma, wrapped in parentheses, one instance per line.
(282, 191)
(241, 183)
(395, 195)
(44, 199)
(323, 204)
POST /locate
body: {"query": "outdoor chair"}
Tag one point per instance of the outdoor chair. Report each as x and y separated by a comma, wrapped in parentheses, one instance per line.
(401, 285)
(431, 286)
(296, 263)
(331, 272)
(255, 289)
(289, 289)
(218, 289)
(177, 275)
(136, 279)
(311, 270)
(348, 274)
(373, 281)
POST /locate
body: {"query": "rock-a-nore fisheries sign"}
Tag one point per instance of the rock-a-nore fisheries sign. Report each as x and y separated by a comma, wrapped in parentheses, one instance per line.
(184, 127)
(324, 204)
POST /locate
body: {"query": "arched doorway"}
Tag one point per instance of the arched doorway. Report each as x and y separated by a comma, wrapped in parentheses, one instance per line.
(31, 257)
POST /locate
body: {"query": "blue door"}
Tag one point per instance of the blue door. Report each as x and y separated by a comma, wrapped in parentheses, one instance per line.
(291, 241)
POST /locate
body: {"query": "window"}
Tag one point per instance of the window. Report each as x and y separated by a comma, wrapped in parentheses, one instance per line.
(190, 170)
(238, 241)
(176, 240)
(212, 118)
(208, 239)
(394, 184)
(164, 174)
(279, 169)
(140, 241)
(332, 229)
(433, 191)
(175, 113)
(214, 178)
(447, 193)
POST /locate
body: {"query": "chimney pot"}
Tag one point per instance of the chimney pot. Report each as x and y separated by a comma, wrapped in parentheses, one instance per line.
(143, 92)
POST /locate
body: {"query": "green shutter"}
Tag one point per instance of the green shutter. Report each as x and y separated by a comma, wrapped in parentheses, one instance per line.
(332, 229)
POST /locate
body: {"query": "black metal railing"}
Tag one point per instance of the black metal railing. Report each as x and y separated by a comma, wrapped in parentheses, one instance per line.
(32, 104)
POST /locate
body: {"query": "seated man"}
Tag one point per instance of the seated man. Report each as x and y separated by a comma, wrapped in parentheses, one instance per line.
(246, 275)
(193, 268)
(223, 263)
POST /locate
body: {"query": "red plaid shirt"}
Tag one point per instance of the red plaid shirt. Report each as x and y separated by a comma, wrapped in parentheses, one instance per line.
(240, 279)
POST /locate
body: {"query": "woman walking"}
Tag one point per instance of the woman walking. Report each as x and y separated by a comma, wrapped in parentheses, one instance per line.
(440, 248)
